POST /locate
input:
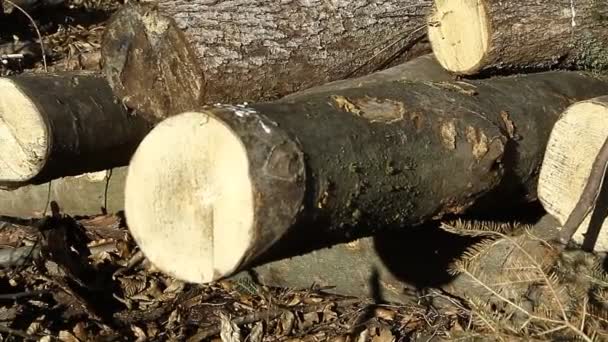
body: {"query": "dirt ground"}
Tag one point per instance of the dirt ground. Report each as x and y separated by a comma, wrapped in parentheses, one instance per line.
(83, 279)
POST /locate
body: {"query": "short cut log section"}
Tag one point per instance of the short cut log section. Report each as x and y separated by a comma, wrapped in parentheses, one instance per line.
(208, 191)
(56, 125)
(470, 36)
(573, 146)
(252, 51)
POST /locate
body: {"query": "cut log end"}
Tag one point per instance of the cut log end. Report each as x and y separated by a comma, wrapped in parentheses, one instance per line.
(459, 34)
(189, 198)
(574, 143)
(23, 134)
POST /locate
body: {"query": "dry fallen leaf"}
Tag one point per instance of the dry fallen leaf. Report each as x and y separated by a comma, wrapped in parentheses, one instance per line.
(309, 319)
(80, 331)
(385, 336)
(384, 314)
(287, 321)
(66, 336)
(257, 333)
(329, 314)
(229, 332)
(139, 333)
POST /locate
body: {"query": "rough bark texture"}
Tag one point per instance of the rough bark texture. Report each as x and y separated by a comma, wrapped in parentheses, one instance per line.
(149, 63)
(88, 129)
(83, 195)
(423, 68)
(251, 51)
(539, 34)
(371, 153)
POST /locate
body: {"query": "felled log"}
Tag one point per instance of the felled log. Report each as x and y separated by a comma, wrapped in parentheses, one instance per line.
(423, 68)
(387, 266)
(574, 144)
(336, 165)
(87, 194)
(56, 125)
(177, 55)
(471, 36)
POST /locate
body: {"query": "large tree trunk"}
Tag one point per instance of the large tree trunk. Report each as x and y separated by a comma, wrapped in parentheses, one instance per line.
(575, 141)
(86, 194)
(173, 57)
(336, 165)
(423, 68)
(56, 125)
(469, 36)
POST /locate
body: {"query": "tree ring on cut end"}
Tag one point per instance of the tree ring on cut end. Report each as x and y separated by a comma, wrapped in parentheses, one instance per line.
(189, 198)
(24, 138)
(459, 34)
(574, 143)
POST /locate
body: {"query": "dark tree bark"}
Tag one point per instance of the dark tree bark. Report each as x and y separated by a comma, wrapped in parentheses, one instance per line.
(180, 54)
(86, 194)
(336, 165)
(469, 37)
(56, 125)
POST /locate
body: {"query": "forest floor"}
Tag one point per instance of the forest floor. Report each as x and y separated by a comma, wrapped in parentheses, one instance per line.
(83, 279)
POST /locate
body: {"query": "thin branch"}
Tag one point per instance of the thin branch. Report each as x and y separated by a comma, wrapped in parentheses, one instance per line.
(584, 313)
(526, 312)
(35, 28)
(561, 327)
(535, 263)
(588, 196)
(508, 301)
(483, 319)
(18, 295)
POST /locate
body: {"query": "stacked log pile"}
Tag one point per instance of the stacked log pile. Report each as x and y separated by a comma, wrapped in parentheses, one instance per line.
(262, 131)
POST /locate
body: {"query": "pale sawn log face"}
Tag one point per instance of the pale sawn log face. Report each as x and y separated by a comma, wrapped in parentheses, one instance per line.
(167, 59)
(72, 124)
(23, 132)
(470, 36)
(201, 187)
(572, 148)
(385, 156)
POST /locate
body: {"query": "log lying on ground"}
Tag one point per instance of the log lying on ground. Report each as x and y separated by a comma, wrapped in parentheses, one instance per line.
(423, 68)
(260, 50)
(469, 36)
(336, 165)
(56, 125)
(86, 194)
(387, 266)
(573, 146)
